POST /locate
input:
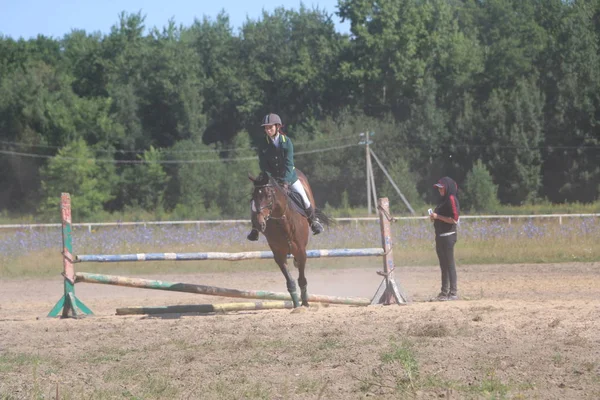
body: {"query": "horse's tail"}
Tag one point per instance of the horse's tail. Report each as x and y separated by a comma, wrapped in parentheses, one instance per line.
(324, 218)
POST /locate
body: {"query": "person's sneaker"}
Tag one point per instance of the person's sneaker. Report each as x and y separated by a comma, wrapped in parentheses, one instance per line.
(253, 235)
(440, 297)
(452, 297)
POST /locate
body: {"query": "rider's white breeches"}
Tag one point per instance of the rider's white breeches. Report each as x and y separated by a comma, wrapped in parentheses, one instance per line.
(298, 188)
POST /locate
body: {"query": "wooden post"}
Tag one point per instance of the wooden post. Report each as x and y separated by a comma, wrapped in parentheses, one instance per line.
(368, 172)
(70, 305)
(389, 291)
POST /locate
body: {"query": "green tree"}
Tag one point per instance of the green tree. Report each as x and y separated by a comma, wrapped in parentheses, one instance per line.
(512, 123)
(209, 182)
(479, 191)
(405, 180)
(144, 185)
(75, 170)
(398, 45)
(229, 96)
(289, 57)
(170, 88)
(571, 84)
(122, 62)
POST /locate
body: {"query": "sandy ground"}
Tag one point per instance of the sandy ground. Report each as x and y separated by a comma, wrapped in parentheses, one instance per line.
(519, 331)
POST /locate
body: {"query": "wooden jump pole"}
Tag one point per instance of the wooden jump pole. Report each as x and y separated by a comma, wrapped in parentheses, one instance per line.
(210, 290)
(207, 308)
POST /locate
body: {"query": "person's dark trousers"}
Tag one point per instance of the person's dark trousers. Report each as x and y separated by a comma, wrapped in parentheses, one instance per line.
(444, 246)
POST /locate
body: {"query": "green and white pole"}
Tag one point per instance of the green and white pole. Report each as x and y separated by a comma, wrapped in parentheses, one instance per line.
(71, 306)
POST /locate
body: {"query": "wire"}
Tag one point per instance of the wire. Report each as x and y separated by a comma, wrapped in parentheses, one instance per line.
(547, 147)
(171, 151)
(100, 160)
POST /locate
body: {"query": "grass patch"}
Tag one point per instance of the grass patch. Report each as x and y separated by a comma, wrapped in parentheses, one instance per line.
(310, 386)
(330, 344)
(398, 372)
(434, 330)
(490, 387)
(107, 355)
(11, 361)
(239, 388)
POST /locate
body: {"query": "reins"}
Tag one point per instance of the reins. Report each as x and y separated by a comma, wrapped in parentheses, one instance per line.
(271, 203)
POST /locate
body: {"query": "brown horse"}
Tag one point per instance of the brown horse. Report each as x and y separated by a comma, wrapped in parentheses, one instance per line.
(285, 227)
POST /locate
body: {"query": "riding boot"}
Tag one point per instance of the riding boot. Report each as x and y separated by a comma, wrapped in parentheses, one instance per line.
(313, 221)
(253, 235)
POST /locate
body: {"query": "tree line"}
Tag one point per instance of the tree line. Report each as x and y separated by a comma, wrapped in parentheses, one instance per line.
(166, 120)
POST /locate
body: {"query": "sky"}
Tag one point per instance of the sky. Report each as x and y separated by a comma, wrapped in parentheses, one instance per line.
(55, 18)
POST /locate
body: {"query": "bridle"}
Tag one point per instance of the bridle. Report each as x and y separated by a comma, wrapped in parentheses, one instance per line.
(271, 203)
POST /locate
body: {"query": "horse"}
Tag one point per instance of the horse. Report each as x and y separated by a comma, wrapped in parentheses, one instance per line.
(286, 228)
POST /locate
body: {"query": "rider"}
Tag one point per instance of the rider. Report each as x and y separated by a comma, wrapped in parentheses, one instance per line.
(276, 158)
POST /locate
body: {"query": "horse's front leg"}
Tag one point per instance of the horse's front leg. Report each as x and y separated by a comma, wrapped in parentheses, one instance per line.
(281, 260)
(300, 262)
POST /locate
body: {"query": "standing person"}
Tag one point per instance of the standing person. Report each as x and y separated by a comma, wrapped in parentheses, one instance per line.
(276, 158)
(445, 219)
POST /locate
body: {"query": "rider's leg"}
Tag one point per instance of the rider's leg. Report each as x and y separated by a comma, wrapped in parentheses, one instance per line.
(253, 235)
(314, 222)
(298, 188)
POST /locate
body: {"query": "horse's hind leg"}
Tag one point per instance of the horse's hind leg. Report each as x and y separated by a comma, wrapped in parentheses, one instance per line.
(281, 260)
(300, 263)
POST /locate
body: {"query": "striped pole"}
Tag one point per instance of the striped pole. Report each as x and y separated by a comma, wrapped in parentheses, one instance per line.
(249, 255)
(207, 308)
(210, 290)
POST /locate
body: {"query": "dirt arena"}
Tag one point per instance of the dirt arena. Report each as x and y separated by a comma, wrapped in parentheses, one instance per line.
(519, 331)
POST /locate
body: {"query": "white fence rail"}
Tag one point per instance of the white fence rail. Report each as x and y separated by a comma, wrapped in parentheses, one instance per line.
(91, 225)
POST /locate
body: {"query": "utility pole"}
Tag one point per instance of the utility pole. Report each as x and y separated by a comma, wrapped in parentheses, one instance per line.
(364, 139)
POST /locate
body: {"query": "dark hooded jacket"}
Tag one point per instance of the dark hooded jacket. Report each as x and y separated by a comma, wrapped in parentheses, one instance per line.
(448, 206)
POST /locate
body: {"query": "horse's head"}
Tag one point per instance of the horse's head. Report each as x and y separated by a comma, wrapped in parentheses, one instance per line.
(268, 199)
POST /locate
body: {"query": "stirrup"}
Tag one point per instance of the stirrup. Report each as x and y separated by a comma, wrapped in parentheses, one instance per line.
(253, 235)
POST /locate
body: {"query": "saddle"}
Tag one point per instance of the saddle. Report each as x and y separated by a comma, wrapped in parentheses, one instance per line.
(297, 203)
(296, 200)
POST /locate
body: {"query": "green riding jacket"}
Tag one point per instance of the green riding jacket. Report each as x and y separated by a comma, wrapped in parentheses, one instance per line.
(278, 161)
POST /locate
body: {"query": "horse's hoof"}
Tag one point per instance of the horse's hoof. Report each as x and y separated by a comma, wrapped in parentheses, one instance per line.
(299, 310)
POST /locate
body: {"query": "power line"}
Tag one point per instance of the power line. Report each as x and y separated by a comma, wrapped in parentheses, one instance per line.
(172, 151)
(546, 147)
(100, 160)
